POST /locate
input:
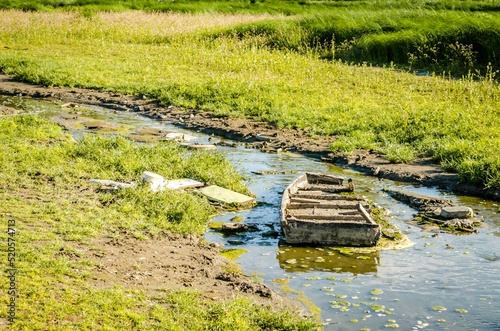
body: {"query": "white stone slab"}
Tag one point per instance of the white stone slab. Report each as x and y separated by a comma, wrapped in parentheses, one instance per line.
(179, 136)
(220, 194)
(157, 182)
(182, 183)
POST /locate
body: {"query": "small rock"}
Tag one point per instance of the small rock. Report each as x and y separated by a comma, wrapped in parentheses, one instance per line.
(234, 227)
(263, 138)
(456, 212)
(460, 223)
(156, 181)
(69, 105)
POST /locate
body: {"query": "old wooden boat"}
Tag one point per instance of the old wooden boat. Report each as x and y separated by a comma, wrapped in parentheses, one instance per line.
(317, 209)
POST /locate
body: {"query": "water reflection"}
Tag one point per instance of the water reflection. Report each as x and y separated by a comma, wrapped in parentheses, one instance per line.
(338, 260)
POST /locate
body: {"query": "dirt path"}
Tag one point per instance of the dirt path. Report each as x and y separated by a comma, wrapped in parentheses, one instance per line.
(256, 134)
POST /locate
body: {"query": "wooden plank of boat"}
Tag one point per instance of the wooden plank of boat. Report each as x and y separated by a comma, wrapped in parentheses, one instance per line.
(365, 214)
(326, 188)
(324, 179)
(323, 212)
(308, 193)
(305, 200)
(319, 196)
(337, 205)
(316, 199)
(335, 217)
(326, 213)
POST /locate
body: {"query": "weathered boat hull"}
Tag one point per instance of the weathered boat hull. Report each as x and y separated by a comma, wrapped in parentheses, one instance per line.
(314, 212)
(332, 233)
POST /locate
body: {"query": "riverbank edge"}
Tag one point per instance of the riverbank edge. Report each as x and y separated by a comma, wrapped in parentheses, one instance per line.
(155, 264)
(256, 134)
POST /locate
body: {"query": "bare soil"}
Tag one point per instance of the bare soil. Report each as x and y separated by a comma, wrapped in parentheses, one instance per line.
(171, 262)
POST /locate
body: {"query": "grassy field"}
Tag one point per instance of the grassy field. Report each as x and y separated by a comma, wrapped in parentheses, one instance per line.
(45, 189)
(455, 36)
(454, 121)
(255, 6)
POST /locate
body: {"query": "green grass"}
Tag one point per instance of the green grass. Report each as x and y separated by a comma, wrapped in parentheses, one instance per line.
(253, 6)
(414, 37)
(440, 35)
(262, 66)
(45, 189)
(39, 157)
(443, 35)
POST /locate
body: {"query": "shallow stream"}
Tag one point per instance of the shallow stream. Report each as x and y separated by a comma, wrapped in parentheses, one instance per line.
(443, 282)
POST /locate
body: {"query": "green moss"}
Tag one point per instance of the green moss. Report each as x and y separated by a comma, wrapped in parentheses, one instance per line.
(439, 308)
(390, 233)
(376, 291)
(215, 225)
(237, 219)
(233, 253)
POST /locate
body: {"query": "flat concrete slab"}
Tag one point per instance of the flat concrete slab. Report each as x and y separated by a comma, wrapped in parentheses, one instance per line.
(156, 181)
(220, 194)
(176, 184)
(198, 146)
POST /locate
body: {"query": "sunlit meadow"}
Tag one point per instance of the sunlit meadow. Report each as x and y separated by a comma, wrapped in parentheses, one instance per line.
(186, 60)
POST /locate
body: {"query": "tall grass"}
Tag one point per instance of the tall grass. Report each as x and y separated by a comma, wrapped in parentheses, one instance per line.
(254, 6)
(236, 72)
(441, 36)
(440, 41)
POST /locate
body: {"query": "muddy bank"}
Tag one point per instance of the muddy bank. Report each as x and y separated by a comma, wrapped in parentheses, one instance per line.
(175, 262)
(256, 134)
